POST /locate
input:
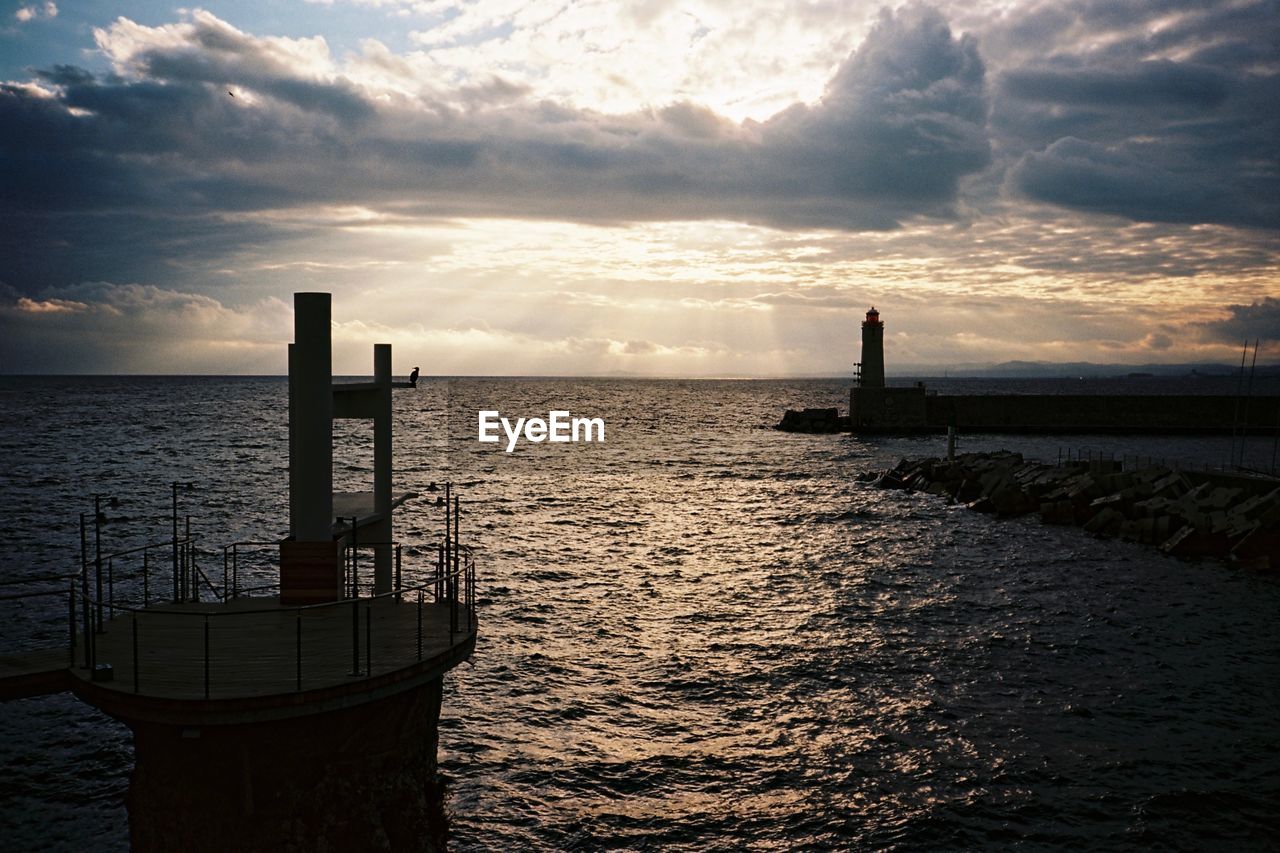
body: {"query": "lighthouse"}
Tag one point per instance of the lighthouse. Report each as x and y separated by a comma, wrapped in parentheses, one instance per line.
(872, 350)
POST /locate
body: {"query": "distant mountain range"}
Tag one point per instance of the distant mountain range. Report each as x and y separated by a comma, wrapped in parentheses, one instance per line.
(1048, 370)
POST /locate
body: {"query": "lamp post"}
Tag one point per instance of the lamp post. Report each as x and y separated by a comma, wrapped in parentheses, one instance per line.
(98, 518)
(84, 593)
(177, 579)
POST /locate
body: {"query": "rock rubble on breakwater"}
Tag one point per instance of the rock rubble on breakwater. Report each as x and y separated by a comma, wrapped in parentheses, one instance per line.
(813, 420)
(1184, 513)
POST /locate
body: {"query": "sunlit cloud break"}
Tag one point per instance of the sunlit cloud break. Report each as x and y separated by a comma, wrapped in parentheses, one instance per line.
(1074, 183)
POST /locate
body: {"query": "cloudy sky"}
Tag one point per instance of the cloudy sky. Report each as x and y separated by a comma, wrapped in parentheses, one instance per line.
(705, 187)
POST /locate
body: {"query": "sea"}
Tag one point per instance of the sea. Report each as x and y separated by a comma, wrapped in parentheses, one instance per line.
(701, 633)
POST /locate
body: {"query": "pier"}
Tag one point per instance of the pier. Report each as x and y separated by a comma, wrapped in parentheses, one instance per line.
(299, 713)
(877, 408)
(1184, 513)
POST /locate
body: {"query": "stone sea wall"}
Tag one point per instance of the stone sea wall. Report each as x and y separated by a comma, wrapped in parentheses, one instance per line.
(913, 409)
(1184, 513)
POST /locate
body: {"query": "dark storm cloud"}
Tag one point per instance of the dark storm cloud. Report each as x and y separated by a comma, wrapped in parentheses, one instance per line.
(1145, 84)
(900, 123)
(1090, 176)
(1248, 322)
(1149, 110)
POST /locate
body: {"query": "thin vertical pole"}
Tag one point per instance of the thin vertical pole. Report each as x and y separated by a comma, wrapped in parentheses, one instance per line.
(177, 591)
(84, 597)
(368, 639)
(1235, 418)
(454, 578)
(71, 618)
(135, 657)
(235, 570)
(146, 577)
(355, 637)
(191, 563)
(419, 624)
(97, 553)
(355, 555)
(399, 579)
(1248, 395)
(448, 526)
(206, 656)
(111, 587)
(299, 649)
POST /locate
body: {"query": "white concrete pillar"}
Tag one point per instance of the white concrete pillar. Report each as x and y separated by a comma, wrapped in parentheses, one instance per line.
(382, 531)
(311, 420)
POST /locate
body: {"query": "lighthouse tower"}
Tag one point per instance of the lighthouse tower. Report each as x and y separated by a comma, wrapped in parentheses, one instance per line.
(872, 351)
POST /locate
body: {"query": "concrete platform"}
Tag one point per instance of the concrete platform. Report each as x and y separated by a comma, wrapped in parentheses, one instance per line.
(256, 661)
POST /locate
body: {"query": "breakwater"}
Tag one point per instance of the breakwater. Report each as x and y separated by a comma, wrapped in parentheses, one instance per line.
(813, 420)
(1184, 513)
(915, 409)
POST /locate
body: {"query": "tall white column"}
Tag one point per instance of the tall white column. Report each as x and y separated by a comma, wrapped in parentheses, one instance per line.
(311, 419)
(382, 531)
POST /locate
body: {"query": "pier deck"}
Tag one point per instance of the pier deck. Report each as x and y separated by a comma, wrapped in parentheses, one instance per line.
(251, 654)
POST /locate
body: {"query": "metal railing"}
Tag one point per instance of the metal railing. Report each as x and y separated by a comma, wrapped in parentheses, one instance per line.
(133, 580)
(231, 588)
(451, 583)
(250, 639)
(142, 564)
(67, 587)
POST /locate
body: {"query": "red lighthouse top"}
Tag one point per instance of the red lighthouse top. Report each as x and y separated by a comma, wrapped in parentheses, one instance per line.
(873, 317)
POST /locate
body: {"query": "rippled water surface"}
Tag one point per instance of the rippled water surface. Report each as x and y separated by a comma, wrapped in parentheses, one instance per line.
(703, 634)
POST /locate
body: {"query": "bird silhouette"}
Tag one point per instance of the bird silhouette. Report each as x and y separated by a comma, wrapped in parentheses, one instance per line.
(413, 377)
(231, 93)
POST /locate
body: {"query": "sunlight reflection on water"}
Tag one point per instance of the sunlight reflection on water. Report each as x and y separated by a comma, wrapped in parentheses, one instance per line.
(703, 634)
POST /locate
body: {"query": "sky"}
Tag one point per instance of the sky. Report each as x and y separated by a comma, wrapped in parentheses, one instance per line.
(705, 187)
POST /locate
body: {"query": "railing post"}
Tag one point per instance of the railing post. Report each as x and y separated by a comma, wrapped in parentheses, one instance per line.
(84, 595)
(146, 577)
(419, 623)
(97, 554)
(225, 575)
(448, 525)
(355, 557)
(177, 580)
(452, 590)
(191, 563)
(399, 579)
(135, 657)
(235, 570)
(355, 637)
(111, 587)
(299, 650)
(368, 639)
(206, 656)
(71, 618)
(439, 593)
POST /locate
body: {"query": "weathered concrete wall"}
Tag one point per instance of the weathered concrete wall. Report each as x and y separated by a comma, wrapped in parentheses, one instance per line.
(363, 778)
(888, 408)
(913, 409)
(813, 420)
(1080, 412)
